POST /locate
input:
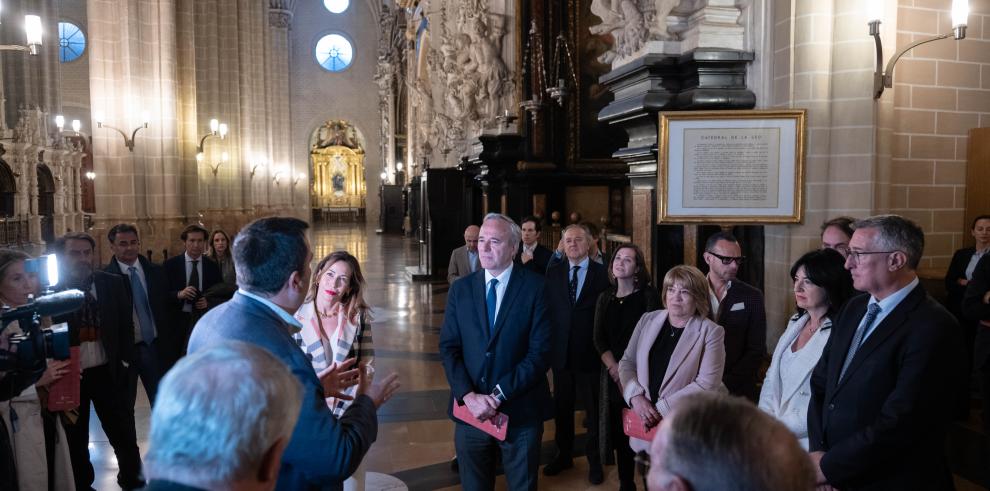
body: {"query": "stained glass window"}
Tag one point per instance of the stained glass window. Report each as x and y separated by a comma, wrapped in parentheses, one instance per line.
(71, 42)
(334, 52)
(336, 6)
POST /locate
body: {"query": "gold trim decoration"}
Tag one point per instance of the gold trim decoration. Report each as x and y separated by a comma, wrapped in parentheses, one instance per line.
(338, 178)
(715, 125)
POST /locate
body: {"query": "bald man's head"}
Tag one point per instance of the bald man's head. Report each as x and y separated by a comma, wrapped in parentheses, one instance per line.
(471, 237)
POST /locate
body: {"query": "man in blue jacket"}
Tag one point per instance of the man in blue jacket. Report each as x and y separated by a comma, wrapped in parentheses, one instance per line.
(272, 257)
(495, 345)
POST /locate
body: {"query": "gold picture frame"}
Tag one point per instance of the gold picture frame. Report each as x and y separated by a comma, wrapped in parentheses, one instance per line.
(731, 167)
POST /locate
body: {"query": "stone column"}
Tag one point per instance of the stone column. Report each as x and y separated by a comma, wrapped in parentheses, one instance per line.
(283, 197)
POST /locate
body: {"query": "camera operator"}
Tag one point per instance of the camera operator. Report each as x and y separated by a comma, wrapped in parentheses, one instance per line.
(36, 436)
(104, 331)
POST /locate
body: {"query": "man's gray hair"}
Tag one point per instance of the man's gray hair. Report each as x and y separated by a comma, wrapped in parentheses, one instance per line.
(717, 441)
(515, 233)
(580, 226)
(896, 233)
(218, 411)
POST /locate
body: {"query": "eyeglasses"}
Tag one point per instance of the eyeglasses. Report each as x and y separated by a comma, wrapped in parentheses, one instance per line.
(642, 460)
(857, 256)
(727, 260)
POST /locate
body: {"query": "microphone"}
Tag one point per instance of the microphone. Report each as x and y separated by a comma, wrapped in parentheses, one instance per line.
(59, 303)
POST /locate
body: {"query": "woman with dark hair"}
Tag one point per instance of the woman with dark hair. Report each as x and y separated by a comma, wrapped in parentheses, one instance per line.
(821, 287)
(37, 436)
(616, 314)
(335, 321)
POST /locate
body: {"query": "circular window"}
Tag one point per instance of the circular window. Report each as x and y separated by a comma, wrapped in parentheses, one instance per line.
(336, 6)
(71, 42)
(334, 52)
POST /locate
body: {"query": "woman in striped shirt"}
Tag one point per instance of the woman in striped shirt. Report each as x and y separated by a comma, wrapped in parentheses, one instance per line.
(336, 321)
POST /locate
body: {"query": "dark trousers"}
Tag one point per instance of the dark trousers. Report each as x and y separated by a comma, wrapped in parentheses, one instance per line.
(983, 373)
(624, 455)
(109, 395)
(147, 366)
(476, 456)
(567, 387)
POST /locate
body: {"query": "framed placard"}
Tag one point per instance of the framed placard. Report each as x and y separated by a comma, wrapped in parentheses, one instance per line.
(729, 167)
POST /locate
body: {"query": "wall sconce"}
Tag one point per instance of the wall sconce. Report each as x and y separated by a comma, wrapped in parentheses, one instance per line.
(91, 175)
(128, 142)
(398, 166)
(32, 31)
(276, 177)
(216, 129)
(60, 124)
(885, 79)
(254, 169)
(300, 176)
(384, 176)
(224, 157)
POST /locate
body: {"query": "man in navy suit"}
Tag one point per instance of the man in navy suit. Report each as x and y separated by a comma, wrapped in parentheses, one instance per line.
(272, 256)
(495, 345)
(531, 255)
(189, 275)
(152, 344)
(882, 393)
(573, 286)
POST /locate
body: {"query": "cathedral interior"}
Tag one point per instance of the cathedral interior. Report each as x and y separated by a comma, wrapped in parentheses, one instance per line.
(391, 125)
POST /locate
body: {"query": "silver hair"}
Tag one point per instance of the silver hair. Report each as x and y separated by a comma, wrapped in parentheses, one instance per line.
(515, 233)
(717, 441)
(587, 231)
(218, 411)
(896, 233)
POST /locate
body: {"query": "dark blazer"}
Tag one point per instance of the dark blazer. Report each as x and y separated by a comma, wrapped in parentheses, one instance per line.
(541, 257)
(883, 425)
(113, 297)
(515, 357)
(956, 272)
(175, 273)
(323, 450)
(745, 337)
(157, 286)
(574, 325)
(974, 309)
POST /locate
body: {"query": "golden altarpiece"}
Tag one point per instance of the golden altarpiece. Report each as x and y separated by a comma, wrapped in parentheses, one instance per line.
(338, 184)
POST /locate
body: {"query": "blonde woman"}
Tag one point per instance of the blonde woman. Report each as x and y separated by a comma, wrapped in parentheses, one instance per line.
(673, 352)
(335, 321)
(34, 432)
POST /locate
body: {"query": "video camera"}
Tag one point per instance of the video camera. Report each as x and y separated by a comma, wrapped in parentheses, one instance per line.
(29, 350)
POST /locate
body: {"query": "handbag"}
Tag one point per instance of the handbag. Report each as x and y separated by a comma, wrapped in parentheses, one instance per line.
(634, 427)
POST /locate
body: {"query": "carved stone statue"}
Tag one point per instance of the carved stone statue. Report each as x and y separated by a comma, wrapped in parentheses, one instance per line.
(631, 23)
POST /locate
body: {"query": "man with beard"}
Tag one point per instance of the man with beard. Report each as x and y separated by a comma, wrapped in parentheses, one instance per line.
(103, 330)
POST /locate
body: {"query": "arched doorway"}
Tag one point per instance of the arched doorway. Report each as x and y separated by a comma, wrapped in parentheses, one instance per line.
(8, 189)
(46, 203)
(337, 187)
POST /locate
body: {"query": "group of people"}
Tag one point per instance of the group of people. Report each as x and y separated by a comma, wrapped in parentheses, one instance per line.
(859, 378)
(137, 322)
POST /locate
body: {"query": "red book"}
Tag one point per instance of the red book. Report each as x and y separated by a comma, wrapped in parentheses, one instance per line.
(634, 427)
(63, 394)
(496, 426)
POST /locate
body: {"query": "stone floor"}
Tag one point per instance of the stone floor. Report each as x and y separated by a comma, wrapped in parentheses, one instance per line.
(415, 440)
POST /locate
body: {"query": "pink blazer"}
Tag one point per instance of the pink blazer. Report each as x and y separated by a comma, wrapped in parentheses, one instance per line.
(695, 365)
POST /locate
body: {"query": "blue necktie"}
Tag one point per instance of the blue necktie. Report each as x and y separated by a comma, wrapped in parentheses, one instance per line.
(142, 307)
(573, 286)
(871, 315)
(491, 300)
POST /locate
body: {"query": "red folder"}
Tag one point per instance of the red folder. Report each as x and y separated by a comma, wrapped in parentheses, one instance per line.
(64, 393)
(634, 427)
(497, 426)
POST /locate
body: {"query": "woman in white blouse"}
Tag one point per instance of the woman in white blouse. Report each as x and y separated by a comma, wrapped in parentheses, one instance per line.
(821, 286)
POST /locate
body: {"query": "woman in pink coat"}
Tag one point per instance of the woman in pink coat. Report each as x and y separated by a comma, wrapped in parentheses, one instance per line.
(673, 352)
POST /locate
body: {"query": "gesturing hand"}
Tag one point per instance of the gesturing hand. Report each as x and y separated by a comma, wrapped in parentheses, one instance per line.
(336, 378)
(380, 392)
(642, 407)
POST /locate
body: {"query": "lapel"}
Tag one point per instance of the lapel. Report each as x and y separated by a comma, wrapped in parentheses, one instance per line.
(480, 303)
(646, 341)
(805, 358)
(728, 299)
(684, 346)
(114, 266)
(843, 339)
(890, 324)
(511, 292)
(589, 279)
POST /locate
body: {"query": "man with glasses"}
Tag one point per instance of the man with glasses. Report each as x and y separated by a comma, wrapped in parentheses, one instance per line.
(739, 309)
(881, 395)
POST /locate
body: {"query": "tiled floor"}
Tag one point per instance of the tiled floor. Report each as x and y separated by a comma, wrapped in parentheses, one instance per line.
(415, 440)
